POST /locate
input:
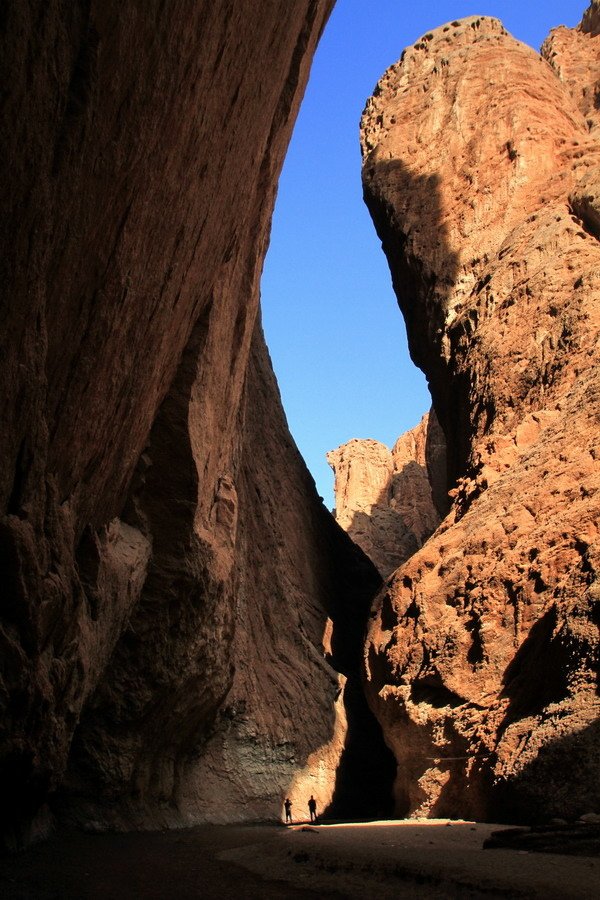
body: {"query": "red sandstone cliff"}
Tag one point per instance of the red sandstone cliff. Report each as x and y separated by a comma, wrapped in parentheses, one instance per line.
(383, 497)
(155, 596)
(282, 619)
(480, 169)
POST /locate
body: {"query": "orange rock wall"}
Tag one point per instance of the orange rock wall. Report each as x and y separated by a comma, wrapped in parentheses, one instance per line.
(480, 169)
(383, 497)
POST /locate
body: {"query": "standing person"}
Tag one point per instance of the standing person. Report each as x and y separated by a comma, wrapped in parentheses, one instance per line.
(312, 808)
(288, 810)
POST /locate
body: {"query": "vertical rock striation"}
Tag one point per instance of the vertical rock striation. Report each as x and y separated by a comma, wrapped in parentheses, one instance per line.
(153, 596)
(480, 170)
(384, 498)
(252, 663)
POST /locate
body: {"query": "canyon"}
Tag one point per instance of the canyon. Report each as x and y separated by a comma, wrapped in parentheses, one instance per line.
(182, 633)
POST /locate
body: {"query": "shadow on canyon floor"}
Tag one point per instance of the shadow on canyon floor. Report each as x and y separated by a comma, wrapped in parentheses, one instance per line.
(150, 865)
(381, 859)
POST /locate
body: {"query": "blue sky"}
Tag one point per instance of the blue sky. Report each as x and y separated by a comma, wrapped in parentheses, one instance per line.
(336, 336)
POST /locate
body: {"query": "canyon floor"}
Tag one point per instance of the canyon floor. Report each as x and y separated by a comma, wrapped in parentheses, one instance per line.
(430, 859)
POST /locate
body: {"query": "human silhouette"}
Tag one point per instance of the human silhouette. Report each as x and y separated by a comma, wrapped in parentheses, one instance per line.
(312, 808)
(288, 810)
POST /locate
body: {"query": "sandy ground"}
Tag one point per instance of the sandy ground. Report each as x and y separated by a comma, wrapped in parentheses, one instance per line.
(169, 865)
(375, 860)
(433, 859)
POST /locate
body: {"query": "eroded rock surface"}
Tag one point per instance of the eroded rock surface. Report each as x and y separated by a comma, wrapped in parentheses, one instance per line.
(283, 625)
(139, 612)
(383, 497)
(480, 171)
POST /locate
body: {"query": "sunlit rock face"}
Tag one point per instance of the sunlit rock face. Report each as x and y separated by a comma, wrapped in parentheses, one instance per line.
(383, 497)
(158, 590)
(480, 170)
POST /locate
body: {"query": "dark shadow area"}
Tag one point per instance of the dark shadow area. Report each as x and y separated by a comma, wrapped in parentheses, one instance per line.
(367, 768)
(401, 519)
(154, 694)
(437, 464)
(575, 839)
(563, 781)
(538, 675)
(585, 209)
(184, 864)
(430, 690)
(408, 217)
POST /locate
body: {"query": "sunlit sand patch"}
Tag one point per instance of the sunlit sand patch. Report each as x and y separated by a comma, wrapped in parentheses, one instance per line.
(399, 823)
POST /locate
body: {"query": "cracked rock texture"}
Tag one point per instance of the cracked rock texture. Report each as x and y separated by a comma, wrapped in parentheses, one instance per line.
(383, 497)
(157, 592)
(481, 169)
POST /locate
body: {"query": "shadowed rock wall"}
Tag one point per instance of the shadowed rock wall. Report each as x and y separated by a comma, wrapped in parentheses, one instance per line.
(280, 623)
(480, 170)
(140, 553)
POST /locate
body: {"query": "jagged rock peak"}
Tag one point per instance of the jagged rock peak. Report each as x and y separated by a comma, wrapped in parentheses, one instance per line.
(590, 24)
(384, 497)
(362, 470)
(573, 55)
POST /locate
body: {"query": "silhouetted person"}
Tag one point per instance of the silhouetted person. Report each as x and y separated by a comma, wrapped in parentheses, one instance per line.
(288, 810)
(312, 808)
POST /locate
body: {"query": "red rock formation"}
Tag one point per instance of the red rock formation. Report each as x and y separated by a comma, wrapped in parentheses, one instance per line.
(480, 171)
(279, 620)
(569, 52)
(383, 497)
(144, 145)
